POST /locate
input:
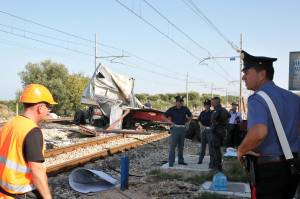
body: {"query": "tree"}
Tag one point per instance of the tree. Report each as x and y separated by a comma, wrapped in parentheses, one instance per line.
(56, 78)
(143, 97)
(76, 83)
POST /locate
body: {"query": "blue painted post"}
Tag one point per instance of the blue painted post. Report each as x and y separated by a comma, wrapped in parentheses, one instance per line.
(124, 172)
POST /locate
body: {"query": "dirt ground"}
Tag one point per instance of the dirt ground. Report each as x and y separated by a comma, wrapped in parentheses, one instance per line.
(145, 181)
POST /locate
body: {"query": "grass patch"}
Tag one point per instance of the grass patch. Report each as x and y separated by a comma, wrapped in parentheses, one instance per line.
(160, 175)
(199, 179)
(234, 171)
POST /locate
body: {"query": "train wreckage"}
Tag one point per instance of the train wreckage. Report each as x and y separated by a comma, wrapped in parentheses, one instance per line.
(112, 104)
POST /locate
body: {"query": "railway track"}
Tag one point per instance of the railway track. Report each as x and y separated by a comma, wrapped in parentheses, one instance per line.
(64, 158)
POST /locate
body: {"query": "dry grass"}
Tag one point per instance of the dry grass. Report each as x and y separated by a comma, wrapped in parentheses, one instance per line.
(5, 113)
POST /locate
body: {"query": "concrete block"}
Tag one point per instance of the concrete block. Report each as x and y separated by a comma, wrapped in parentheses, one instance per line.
(235, 189)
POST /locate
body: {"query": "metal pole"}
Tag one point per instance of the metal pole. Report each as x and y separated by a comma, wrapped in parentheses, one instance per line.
(240, 73)
(186, 87)
(17, 108)
(124, 172)
(226, 98)
(211, 91)
(95, 51)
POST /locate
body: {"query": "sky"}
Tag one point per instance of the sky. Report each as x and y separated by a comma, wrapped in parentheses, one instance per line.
(162, 50)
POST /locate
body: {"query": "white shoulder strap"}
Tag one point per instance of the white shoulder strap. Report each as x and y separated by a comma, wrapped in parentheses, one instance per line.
(278, 126)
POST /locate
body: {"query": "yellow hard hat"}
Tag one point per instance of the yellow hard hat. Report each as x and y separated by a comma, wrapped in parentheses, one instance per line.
(35, 93)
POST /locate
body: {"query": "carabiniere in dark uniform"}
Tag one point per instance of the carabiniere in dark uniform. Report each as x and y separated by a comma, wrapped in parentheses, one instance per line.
(272, 176)
(219, 120)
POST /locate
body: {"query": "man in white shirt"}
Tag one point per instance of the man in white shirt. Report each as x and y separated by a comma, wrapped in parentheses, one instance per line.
(233, 133)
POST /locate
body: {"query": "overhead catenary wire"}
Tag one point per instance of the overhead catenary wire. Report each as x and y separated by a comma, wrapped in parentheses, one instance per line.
(85, 39)
(187, 36)
(153, 64)
(45, 36)
(78, 37)
(150, 71)
(76, 51)
(131, 64)
(45, 26)
(4, 41)
(176, 27)
(45, 42)
(198, 12)
(162, 33)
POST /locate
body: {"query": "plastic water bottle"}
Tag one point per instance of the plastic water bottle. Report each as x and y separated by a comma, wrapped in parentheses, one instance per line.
(219, 182)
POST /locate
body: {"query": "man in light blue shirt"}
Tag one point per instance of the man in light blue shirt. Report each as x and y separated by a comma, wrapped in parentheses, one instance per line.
(273, 176)
(233, 137)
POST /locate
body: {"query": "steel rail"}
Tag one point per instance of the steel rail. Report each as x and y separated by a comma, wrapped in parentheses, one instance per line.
(54, 152)
(61, 167)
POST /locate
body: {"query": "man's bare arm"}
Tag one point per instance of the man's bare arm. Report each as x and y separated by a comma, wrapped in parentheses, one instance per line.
(253, 139)
(40, 179)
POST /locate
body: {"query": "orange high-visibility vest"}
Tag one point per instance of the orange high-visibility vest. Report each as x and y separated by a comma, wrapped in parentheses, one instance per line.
(15, 175)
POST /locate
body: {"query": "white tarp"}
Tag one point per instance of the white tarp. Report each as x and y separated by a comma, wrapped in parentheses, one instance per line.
(108, 89)
(88, 180)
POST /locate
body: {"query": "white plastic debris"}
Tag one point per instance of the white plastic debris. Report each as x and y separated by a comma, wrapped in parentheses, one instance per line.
(230, 152)
(53, 116)
(88, 180)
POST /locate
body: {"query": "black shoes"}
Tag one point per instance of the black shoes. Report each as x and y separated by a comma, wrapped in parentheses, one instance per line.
(182, 163)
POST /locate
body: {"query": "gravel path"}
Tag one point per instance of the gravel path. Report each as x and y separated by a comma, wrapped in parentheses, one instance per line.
(142, 160)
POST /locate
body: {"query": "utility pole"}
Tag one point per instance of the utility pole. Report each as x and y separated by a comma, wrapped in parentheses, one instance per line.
(226, 98)
(98, 57)
(17, 108)
(186, 88)
(95, 51)
(240, 73)
(211, 90)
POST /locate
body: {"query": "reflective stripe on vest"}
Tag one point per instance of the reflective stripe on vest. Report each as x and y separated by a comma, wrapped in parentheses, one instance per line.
(17, 188)
(12, 165)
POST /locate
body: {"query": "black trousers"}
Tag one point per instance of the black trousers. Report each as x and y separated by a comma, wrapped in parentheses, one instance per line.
(275, 181)
(233, 137)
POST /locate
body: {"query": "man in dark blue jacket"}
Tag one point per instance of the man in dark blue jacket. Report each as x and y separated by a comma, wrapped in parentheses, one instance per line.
(205, 123)
(179, 117)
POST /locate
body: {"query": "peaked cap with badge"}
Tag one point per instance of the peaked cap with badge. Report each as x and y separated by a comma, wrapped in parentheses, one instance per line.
(256, 61)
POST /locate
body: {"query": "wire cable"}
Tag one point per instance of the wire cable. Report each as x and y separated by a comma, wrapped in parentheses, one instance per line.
(162, 33)
(176, 27)
(42, 35)
(150, 71)
(87, 40)
(81, 38)
(186, 35)
(201, 14)
(47, 43)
